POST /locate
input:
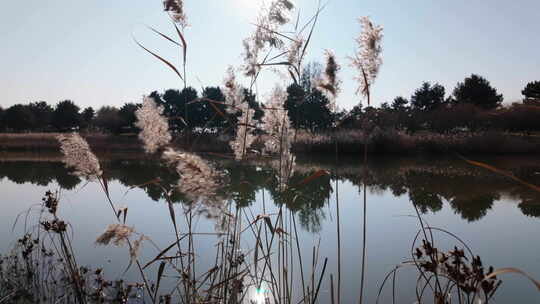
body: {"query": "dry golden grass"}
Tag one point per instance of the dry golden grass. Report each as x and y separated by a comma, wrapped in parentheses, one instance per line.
(48, 142)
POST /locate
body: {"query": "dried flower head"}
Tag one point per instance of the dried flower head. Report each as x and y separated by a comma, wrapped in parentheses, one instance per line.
(78, 156)
(276, 123)
(278, 11)
(234, 93)
(368, 56)
(251, 57)
(237, 104)
(330, 84)
(154, 126)
(294, 51)
(244, 134)
(199, 181)
(117, 233)
(267, 25)
(136, 246)
(176, 9)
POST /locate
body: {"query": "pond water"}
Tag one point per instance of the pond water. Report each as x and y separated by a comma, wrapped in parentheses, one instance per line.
(498, 218)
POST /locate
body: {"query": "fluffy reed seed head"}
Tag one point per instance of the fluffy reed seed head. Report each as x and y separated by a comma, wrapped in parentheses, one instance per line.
(118, 234)
(136, 246)
(78, 156)
(154, 126)
(244, 134)
(237, 104)
(276, 123)
(176, 9)
(267, 24)
(295, 51)
(234, 94)
(330, 84)
(199, 181)
(367, 59)
(278, 11)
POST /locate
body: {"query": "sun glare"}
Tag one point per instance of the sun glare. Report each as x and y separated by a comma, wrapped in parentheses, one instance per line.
(250, 6)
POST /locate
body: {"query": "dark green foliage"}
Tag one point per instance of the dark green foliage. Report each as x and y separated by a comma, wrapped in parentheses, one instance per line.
(2, 121)
(108, 119)
(196, 113)
(87, 118)
(127, 115)
(19, 118)
(253, 104)
(217, 111)
(352, 118)
(400, 104)
(474, 106)
(308, 109)
(478, 91)
(43, 114)
(183, 109)
(295, 97)
(307, 106)
(532, 91)
(174, 107)
(66, 116)
(428, 97)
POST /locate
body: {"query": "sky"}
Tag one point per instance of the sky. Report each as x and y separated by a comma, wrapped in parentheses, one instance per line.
(84, 50)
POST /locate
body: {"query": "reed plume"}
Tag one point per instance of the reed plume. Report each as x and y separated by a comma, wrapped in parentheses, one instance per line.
(329, 83)
(265, 35)
(78, 156)
(234, 94)
(176, 10)
(238, 105)
(199, 181)
(277, 125)
(367, 59)
(154, 126)
(118, 234)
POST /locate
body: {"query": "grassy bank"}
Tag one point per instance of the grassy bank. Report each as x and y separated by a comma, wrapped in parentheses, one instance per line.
(348, 141)
(395, 142)
(103, 143)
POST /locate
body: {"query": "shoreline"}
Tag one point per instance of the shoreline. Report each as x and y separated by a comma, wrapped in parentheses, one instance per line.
(349, 142)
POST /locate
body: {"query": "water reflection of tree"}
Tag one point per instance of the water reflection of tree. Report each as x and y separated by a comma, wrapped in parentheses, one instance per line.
(530, 202)
(244, 181)
(473, 207)
(469, 192)
(422, 192)
(305, 198)
(142, 174)
(38, 173)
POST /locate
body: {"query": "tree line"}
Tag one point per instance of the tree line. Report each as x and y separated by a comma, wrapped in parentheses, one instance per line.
(473, 105)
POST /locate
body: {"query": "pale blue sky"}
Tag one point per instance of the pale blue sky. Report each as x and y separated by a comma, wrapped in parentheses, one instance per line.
(83, 50)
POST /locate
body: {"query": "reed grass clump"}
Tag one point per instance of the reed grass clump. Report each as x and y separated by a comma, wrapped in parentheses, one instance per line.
(43, 267)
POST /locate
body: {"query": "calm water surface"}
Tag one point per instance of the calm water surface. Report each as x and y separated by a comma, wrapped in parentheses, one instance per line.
(497, 218)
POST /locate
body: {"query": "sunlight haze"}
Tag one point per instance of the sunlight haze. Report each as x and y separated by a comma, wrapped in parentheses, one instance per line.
(84, 51)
